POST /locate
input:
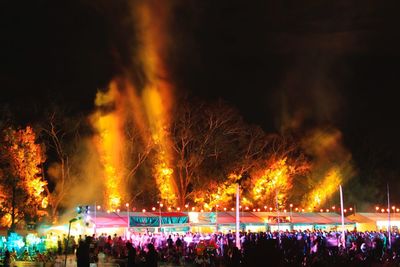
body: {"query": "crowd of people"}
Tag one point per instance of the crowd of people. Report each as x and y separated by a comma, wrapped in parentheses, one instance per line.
(294, 248)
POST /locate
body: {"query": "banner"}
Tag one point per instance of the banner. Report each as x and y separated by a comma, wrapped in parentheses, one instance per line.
(142, 221)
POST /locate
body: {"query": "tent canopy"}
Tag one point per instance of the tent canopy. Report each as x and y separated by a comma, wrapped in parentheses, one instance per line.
(152, 219)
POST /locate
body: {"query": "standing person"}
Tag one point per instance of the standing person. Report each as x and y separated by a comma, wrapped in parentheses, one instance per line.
(7, 259)
(82, 254)
(235, 258)
(131, 254)
(59, 245)
(151, 256)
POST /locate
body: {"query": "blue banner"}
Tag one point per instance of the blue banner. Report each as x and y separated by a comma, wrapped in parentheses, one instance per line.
(141, 221)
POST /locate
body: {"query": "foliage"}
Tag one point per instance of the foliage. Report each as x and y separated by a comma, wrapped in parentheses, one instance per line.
(22, 185)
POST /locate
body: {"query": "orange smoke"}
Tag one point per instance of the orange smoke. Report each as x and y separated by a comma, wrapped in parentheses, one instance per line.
(326, 188)
(332, 165)
(149, 108)
(157, 93)
(110, 144)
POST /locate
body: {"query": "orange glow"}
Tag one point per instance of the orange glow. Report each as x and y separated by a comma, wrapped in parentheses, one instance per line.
(26, 157)
(109, 141)
(328, 186)
(45, 202)
(220, 194)
(273, 183)
(5, 220)
(157, 93)
(36, 187)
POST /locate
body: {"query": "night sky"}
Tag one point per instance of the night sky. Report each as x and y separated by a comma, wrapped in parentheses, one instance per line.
(329, 63)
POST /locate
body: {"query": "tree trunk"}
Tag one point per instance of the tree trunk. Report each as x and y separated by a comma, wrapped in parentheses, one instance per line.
(13, 204)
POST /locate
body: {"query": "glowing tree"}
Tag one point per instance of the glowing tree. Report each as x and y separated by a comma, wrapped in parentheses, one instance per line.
(271, 183)
(203, 139)
(23, 188)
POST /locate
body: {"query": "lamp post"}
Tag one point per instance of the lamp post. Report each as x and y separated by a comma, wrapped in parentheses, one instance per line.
(160, 206)
(66, 245)
(388, 210)
(216, 218)
(128, 224)
(96, 208)
(237, 225)
(277, 212)
(342, 215)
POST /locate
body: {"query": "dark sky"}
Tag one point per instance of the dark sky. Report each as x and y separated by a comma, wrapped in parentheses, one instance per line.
(329, 63)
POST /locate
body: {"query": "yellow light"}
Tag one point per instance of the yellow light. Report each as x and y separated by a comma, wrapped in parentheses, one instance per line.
(276, 176)
(98, 207)
(153, 208)
(109, 141)
(193, 208)
(45, 202)
(328, 186)
(127, 205)
(143, 210)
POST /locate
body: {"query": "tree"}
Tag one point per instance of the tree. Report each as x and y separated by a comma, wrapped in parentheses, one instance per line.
(241, 155)
(62, 135)
(22, 185)
(200, 134)
(137, 150)
(273, 180)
